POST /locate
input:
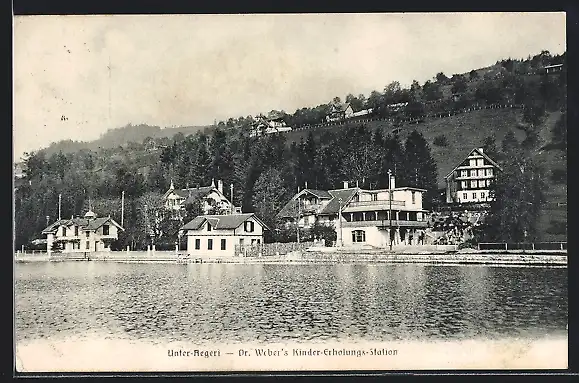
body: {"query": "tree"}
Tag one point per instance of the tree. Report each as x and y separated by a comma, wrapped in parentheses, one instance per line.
(441, 78)
(473, 74)
(559, 131)
(490, 146)
(519, 196)
(459, 85)
(269, 196)
(432, 91)
(420, 168)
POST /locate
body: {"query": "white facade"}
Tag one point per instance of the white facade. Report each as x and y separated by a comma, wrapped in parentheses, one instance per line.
(209, 240)
(470, 181)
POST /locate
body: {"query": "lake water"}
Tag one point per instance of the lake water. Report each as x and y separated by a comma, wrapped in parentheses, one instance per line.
(212, 303)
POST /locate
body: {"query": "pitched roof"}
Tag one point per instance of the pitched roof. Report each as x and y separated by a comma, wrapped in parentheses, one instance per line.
(468, 155)
(83, 223)
(194, 192)
(340, 107)
(291, 208)
(221, 222)
(317, 193)
(333, 207)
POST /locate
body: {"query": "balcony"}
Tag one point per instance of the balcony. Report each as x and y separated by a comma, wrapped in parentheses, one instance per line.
(384, 224)
(372, 205)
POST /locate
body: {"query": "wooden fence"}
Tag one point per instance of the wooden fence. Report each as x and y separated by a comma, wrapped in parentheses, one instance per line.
(523, 246)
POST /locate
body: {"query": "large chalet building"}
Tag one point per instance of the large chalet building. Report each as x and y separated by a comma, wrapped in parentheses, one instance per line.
(469, 182)
(213, 200)
(362, 216)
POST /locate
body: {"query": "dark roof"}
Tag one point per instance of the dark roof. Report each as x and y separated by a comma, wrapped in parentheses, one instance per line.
(291, 208)
(318, 193)
(195, 224)
(194, 192)
(83, 223)
(333, 207)
(221, 222)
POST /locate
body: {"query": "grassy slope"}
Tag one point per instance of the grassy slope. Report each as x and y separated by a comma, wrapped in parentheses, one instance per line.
(468, 130)
(464, 132)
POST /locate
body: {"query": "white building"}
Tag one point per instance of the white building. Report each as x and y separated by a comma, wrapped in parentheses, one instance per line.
(87, 234)
(263, 125)
(362, 216)
(219, 235)
(470, 181)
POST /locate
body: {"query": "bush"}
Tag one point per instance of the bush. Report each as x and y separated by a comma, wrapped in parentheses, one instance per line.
(441, 140)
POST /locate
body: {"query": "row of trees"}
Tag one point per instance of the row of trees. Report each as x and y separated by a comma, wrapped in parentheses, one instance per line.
(509, 81)
(264, 172)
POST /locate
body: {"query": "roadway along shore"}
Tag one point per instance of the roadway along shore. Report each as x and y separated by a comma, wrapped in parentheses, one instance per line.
(497, 257)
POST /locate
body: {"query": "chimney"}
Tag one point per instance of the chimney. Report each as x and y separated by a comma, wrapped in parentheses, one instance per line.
(357, 184)
(213, 182)
(392, 182)
(481, 150)
(345, 184)
(306, 184)
(220, 186)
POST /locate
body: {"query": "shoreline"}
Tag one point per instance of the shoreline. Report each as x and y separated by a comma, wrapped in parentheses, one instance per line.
(465, 257)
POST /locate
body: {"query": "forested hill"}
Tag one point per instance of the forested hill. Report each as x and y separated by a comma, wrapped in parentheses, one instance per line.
(122, 136)
(266, 171)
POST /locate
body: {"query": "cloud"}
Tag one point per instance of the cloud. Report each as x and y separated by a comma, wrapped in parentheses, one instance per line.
(192, 69)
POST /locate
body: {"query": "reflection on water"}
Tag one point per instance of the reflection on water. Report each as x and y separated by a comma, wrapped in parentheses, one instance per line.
(276, 303)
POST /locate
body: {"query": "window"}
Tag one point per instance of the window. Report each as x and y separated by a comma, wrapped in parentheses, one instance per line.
(210, 244)
(105, 229)
(479, 162)
(258, 241)
(208, 226)
(490, 172)
(473, 195)
(358, 236)
(374, 197)
(464, 173)
(473, 184)
(241, 241)
(249, 226)
(253, 241)
(223, 244)
(87, 233)
(480, 172)
(64, 231)
(473, 173)
(306, 220)
(472, 162)
(464, 196)
(76, 231)
(87, 245)
(482, 195)
(413, 197)
(463, 184)
(197, 243)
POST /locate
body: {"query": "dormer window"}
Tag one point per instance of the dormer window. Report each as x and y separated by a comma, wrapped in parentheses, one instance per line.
(249, 226)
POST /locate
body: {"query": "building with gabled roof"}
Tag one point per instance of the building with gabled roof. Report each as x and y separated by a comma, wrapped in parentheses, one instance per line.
(362, 216)
(264, 125)
(470, 181)
(220, 235)
(211, 197)
(87, 234)
(340, 112)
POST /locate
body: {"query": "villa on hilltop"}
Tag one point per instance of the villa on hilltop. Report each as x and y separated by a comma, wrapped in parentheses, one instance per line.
(212, 199)
(470, 181)
(87, 234)
(263, 125)
(362, 216)
(344, 111)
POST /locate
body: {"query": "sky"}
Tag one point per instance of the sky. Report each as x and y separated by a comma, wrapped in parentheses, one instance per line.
(75, 77)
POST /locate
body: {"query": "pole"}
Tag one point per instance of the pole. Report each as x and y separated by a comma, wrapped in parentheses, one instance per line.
(390, 207)
(298, 222)
(340, 223)
(122, 208)
(59, 205)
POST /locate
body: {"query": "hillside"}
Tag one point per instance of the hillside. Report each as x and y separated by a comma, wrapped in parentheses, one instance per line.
(463, 131)
(121, 136)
